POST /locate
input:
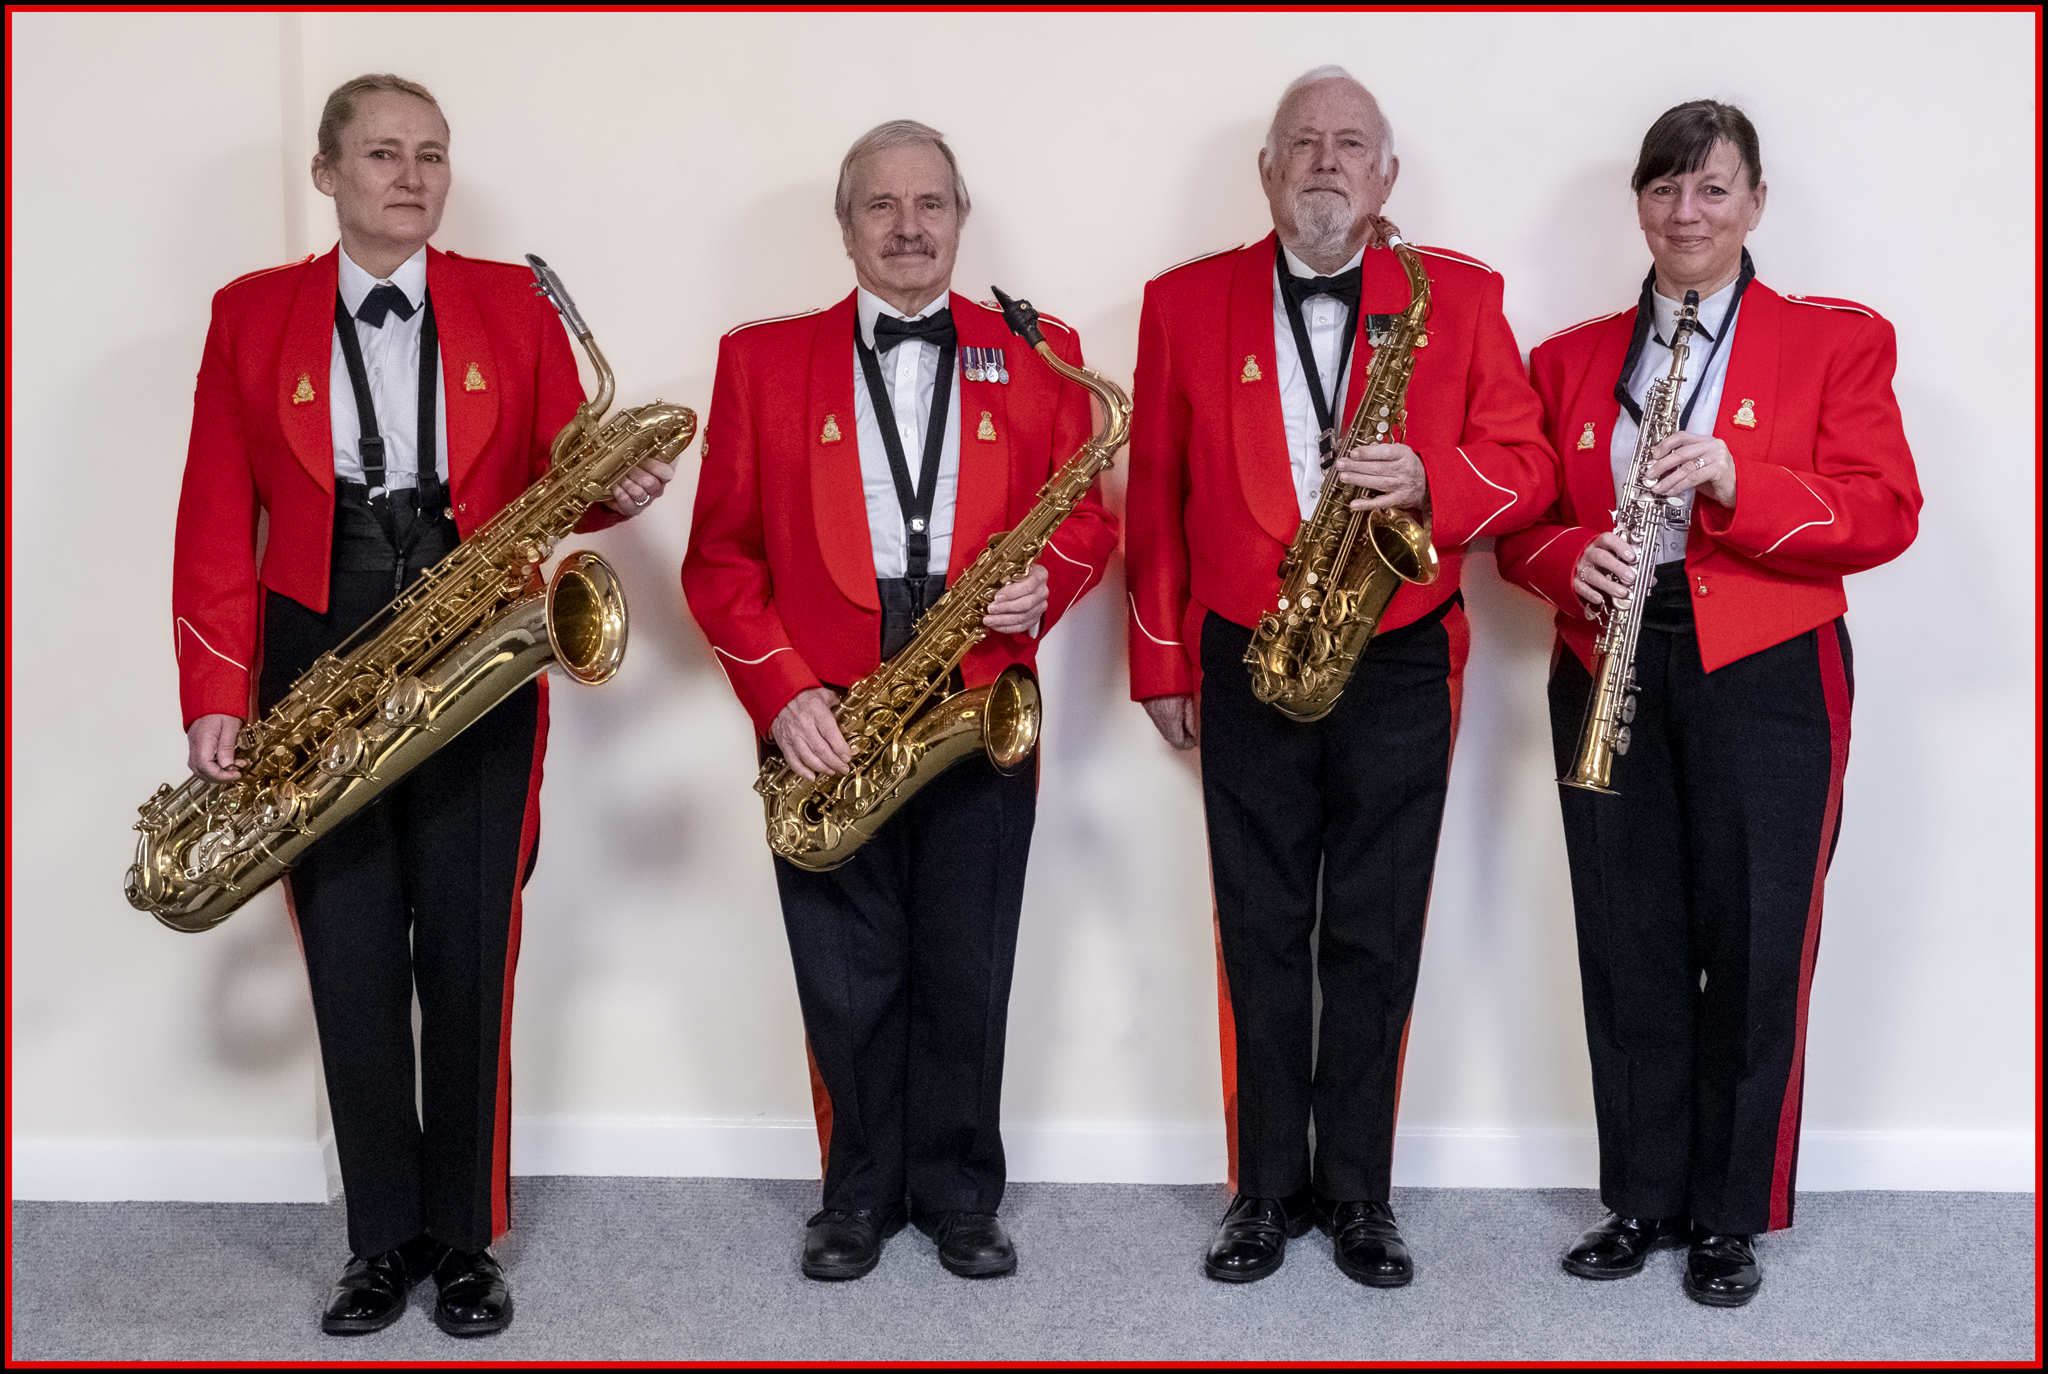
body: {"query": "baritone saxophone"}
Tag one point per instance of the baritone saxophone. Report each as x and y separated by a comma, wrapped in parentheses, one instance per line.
(474, 628)
(1344, 566)
(901, 724)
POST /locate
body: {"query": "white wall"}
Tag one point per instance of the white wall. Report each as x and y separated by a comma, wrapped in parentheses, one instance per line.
(677, 170)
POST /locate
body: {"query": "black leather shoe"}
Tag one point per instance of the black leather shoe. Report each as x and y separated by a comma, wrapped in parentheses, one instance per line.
(1721, 1271)
(475, 1300)
(1367, 1243)
(845, 1245)
(971, 1244)
(1619, 1246)
(369, 1295)
(1252, 1240)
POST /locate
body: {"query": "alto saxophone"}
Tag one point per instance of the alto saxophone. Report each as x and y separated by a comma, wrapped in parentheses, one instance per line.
(474, 628)
(1638, 516)
(1344, 566)
(902, 726)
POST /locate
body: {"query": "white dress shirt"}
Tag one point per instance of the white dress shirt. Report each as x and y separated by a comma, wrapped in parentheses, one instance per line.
(908, 370)
(391, 359)
(1326, 318)
(1705, 378)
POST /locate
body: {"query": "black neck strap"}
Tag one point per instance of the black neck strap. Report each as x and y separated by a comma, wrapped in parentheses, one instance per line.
(1646, 316)
(370, 444)
(1326, 411)
(916, 504)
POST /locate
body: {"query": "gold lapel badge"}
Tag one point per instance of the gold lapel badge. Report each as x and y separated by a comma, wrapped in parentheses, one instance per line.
(987, 432)
(474, 381)
(304, 395)
(1586, 439)
(1251, 371)
(1745, 414)
(830, 433)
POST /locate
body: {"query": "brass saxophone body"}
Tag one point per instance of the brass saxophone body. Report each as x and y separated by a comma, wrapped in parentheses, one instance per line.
(1639, 514)
(474, 628)
(903, 727)
(1344, 566)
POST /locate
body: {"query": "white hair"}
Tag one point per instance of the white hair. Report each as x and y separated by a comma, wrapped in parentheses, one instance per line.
(1331, 72)
(897, 133)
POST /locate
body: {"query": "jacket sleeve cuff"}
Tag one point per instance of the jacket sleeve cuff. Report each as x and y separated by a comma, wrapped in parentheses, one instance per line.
(1463, 504)
(768, 686)
(1771, 505)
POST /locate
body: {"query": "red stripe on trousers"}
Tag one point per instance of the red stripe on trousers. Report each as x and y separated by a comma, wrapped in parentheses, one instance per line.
(821, 1107)
(529, 831)
(1226, 1035)
(1834, 684)
(1459, 630)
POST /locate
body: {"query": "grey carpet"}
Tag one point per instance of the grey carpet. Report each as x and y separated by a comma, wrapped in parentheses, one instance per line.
(671, 1269)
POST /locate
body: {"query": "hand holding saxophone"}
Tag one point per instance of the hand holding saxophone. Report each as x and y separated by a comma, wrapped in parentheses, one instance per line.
(211, 747)
(1685, 460)
(1020, 605)
(637, 489)
(808, 734)
(1606, 572)
(1392, 475)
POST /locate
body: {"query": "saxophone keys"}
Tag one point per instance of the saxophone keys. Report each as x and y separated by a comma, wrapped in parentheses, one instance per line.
(403, 701)
(1628, 709)
(1621, 738)
(343, 753)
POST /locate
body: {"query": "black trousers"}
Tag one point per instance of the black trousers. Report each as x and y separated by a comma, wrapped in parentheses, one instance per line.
(1334, 820)
(418, 892)
(903, 960)
(1698, 894)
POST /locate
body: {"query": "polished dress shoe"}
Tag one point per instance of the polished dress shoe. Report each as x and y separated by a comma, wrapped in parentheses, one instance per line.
(1619, 1246)
(971, 1244)
(370, 1295)
(474, 1300)
(1367, 1243)
(1252, 1240)
(845, 1245)
(1721, 1271)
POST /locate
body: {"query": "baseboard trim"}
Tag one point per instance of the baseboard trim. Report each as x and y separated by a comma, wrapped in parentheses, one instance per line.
(105, 1170)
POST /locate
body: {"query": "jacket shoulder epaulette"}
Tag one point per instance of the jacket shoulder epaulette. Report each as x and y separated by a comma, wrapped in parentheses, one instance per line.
(772, 319)
(1833, 303)
(266, 271)
(1452, 255)
(1043, 318)
(1597, 319)
(1199, 257)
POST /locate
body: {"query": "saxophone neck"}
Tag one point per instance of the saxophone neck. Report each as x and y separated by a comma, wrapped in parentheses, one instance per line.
(547, 283)
(1115, 424)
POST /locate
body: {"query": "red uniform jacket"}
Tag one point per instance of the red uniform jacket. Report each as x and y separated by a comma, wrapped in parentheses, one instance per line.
(1212, 505)
(781, 572)
(262, 442)
(1824, 482)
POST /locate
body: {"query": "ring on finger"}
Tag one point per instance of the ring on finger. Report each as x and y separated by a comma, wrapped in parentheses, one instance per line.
(1700, 461)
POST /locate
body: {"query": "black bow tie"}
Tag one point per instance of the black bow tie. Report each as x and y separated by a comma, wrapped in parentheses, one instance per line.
(385, 300)
(1344, 286)
(936, 328)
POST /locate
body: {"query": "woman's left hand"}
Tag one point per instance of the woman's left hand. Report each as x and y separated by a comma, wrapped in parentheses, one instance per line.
(1686, 460)
(638, 488)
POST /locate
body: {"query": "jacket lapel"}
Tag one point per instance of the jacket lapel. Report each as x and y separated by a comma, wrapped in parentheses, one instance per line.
(1257, 425)
(1752, 379)
(303, 366)
(981, 500)
(469, 371)
(839, 506)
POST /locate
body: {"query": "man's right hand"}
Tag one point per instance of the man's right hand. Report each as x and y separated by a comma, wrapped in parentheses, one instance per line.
(211, 747)
(1175, 719)
(808, 736)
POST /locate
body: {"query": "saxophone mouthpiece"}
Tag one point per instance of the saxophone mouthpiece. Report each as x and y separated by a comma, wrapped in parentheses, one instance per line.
(548, 284)
(1688, 317)
(1022, 319)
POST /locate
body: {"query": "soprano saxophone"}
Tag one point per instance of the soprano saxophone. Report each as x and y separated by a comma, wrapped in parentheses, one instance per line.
(900, 723)
(1639, 515)
(1344, 566)
(478, 625)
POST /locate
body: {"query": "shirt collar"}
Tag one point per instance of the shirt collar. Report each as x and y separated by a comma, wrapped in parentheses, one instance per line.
(1713, 313)
(869, 307)
(1297, 268)
(411, 278)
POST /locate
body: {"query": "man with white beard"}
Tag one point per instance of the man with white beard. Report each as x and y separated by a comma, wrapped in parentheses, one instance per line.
(1334, 820)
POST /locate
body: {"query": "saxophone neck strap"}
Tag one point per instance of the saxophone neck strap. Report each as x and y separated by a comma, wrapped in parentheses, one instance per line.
(1646, 317)
(1326, 411)
(370, 443)
(915, 502)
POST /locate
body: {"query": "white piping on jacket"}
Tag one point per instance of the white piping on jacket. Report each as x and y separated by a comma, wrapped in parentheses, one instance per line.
(1491, 483)
(185, 625)
(750, 662)
(1811, 523)
(1139, 621)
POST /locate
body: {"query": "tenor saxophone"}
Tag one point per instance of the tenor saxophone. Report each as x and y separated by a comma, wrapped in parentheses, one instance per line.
(1344, 566)
(1638, 515)
(901, 724)
(475, 627)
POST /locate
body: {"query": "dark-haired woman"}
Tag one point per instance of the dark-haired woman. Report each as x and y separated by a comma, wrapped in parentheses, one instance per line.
(1698, 888)
(378, 404)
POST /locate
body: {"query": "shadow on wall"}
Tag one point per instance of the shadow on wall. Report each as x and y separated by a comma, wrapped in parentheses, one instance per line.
(259, 1018)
